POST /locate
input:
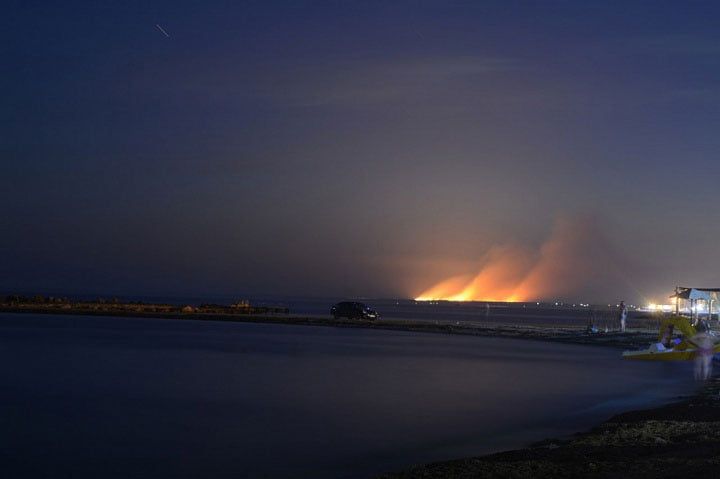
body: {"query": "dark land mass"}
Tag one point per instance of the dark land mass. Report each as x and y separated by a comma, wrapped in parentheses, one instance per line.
(641, 332)
(113, 306)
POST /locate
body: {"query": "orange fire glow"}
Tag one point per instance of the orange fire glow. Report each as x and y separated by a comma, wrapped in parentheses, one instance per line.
(499, 279)
(573, 253)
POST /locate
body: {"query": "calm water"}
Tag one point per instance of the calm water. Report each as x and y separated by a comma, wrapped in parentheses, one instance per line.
(90, 397)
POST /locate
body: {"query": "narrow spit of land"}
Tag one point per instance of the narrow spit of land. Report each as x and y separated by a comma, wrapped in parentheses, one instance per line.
(633, 339)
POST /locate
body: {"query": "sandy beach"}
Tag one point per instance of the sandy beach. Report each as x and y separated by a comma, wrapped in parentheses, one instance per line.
(678, 439)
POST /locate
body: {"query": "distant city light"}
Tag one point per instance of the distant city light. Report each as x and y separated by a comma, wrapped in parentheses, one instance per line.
(666, 308)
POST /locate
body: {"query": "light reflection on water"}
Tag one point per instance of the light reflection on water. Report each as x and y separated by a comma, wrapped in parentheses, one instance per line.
(106, 397)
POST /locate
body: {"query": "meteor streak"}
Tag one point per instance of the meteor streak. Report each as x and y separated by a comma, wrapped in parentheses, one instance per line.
(162, 30)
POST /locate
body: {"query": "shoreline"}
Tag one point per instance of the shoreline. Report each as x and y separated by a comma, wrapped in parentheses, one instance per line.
(680, 438)
(633, 339)
(677, 438)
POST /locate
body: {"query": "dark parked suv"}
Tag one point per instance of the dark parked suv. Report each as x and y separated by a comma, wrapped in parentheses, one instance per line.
(352, 310)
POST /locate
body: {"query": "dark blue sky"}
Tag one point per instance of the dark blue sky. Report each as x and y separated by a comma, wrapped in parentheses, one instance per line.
(354, 148)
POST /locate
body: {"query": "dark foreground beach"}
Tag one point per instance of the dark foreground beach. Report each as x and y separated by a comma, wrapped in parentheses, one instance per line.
(680, 439)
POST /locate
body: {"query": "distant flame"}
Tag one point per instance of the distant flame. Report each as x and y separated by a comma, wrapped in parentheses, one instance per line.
(499, 279)
(574, 253)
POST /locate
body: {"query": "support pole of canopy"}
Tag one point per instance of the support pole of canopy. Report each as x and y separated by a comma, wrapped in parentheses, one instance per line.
(709, 305)
(709, 311)
(692, 310)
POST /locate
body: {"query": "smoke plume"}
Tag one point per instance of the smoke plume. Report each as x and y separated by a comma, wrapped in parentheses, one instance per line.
(577, 259)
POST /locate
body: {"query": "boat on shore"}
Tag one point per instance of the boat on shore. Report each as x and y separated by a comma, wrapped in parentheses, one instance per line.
(677, 335)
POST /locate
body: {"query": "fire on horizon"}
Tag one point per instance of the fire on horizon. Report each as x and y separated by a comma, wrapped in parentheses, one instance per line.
(576, 254)
(359, 149)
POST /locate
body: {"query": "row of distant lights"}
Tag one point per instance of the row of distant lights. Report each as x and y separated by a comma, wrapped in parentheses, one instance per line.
(587, 305)
(575, 305)
(557, 303)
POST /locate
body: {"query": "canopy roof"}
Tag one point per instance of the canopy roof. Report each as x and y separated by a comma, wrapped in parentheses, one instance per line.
(706, 294)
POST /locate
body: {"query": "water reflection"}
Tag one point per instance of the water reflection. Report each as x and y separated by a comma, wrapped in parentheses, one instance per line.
(115, 397)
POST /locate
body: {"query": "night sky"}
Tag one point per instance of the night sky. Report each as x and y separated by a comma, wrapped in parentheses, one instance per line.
(358, 148)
